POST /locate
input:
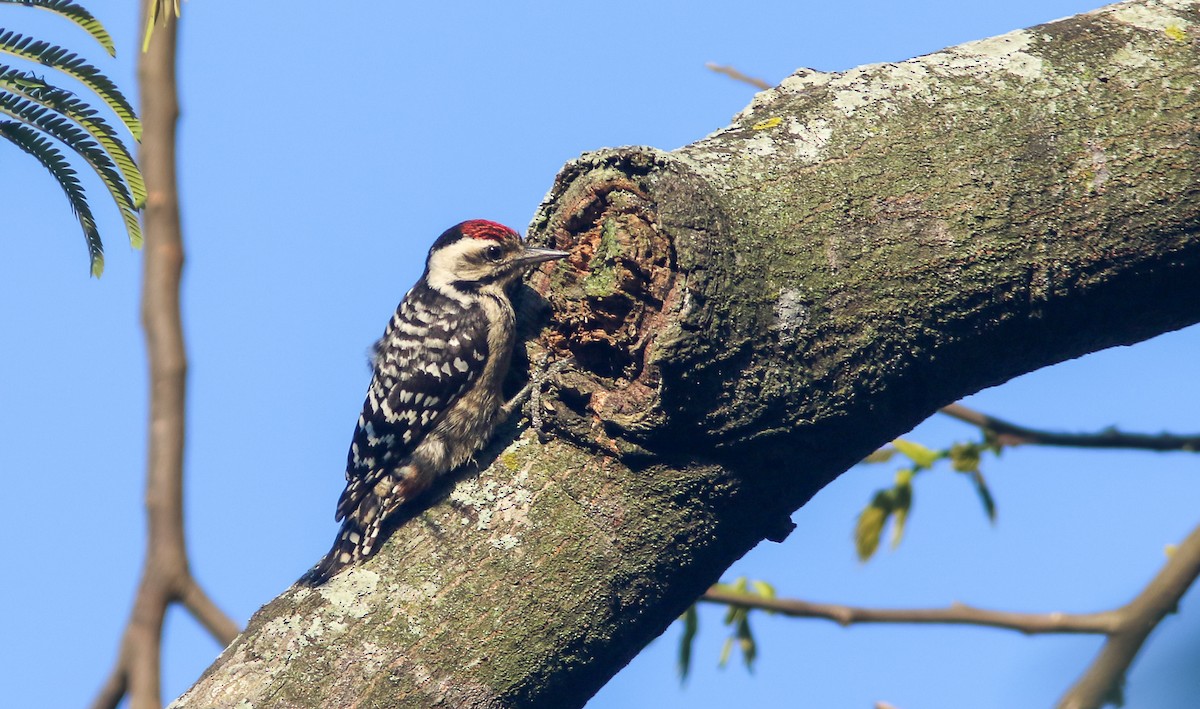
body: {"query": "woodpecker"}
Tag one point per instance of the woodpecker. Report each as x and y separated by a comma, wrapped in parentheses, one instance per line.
(435, 394)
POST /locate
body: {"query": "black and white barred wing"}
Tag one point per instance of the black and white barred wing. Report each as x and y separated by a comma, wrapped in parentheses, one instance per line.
(426, 360)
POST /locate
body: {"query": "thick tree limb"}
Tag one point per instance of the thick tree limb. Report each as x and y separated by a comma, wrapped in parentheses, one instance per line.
(1011, 434)
(166, 578)
(749, 316)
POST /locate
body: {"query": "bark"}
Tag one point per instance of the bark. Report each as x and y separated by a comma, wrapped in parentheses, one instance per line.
(750, 315)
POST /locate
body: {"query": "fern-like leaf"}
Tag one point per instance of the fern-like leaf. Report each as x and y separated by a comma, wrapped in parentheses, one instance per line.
(71, 64)
(78, 140)
(62, 101)
(31, 142)
(75, 13)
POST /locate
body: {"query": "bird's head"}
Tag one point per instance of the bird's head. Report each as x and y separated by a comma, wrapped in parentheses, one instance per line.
(479, 254)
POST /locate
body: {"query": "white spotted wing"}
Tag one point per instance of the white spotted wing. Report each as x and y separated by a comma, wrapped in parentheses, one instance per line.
(430, 353)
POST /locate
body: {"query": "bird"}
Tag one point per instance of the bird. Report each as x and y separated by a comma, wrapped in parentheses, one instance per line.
(435, 395)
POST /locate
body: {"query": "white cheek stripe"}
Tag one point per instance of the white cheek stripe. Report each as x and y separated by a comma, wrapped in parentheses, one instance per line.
(445, 263)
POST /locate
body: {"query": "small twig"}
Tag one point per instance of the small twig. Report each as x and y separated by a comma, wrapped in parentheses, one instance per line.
(955, 614)
(1011, 434)
(737, 75)
(202, 608)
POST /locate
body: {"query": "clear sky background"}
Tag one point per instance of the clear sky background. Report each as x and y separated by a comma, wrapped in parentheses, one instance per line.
(323, 147)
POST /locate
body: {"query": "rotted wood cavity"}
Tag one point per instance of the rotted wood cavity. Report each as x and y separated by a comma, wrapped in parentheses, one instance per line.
(608, 299)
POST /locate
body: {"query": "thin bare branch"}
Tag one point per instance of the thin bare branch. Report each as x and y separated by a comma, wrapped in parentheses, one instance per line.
(1127, 627)
(114, 687)
(1011, 434)
(207, 613)
(955, 614)
(166, 577)
(1102, 682)
(737, 75)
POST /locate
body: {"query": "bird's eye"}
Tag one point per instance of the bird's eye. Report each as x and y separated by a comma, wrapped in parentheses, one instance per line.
(493, 253)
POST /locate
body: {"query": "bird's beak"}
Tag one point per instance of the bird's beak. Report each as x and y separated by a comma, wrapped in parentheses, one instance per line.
(533, 255)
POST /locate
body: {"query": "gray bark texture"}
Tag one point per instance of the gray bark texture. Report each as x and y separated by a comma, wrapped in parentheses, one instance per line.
(746, 318)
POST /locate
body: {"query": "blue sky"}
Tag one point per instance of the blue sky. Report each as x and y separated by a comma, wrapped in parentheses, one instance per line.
(321, 152)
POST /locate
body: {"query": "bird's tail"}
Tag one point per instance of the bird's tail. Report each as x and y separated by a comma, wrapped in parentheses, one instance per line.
(343, 553)
(355, 542)
(364, 511)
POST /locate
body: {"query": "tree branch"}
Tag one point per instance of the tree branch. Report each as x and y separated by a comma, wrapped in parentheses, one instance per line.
(204, 610)
(1102, 682)
(1126, 627)
(737, 75)
(1011, 434)
(114, 687)
(956, 614)
(166, 576)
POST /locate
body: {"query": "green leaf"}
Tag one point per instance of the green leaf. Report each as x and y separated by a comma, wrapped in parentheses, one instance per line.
(732, 613)
(736, 614)
(71, 64)
(881, 455)
(745, 640)
(965, 457)
(985, 495)
(60, 128)
(921, 456)
(34, 89)
(763, 589)
(691, 624)
(725, 650)
(31, 142)
(899, 517)
(75, 13)
(41, 110)
(901, 503)
(869, 527)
